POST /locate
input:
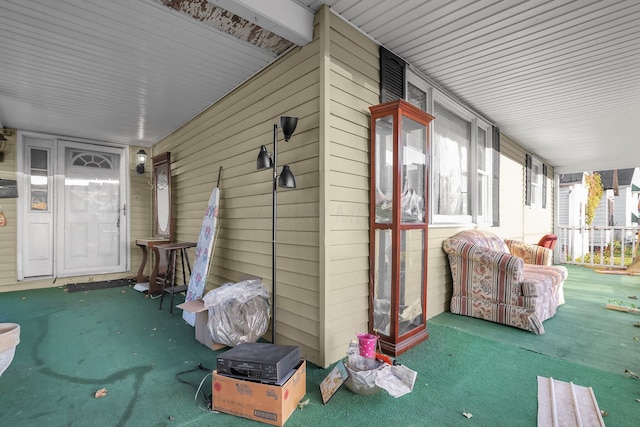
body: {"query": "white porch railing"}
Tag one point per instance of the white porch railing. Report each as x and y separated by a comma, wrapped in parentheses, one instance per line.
(608, 247)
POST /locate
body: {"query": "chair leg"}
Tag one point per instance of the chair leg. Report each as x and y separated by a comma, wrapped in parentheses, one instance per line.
(163, 272)
(184, 276)
(165, 277)
(173, 278)
(161, 296)
(164, 285)
(184, 279)
(186, 255)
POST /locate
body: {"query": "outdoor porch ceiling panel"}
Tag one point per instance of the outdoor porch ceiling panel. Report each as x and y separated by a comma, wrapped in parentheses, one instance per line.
(559, 77)
(121, 71)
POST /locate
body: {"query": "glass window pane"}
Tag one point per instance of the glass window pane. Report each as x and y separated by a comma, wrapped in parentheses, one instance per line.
(483, 196)
(384, 169)
(39, 159)
(417, 97)
(382, 282)
(39, 179)
(536, 183)
(451, 163)
(414, 159)
(482, 150)
(411, 276)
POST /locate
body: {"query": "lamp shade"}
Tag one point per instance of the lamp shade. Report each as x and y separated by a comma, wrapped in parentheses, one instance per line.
(142, 159)
(286, 179)
(264, 161)
(288, 125)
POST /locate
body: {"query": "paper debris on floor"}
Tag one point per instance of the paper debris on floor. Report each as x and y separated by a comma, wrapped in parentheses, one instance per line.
(566, 404)
(141, 287)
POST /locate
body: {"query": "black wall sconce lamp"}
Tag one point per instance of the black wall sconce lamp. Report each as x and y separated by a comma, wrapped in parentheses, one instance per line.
(3, 144)
(142, 160)
(284, 180)
(4, 132)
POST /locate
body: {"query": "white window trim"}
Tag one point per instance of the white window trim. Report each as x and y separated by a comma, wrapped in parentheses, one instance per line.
(536, 183)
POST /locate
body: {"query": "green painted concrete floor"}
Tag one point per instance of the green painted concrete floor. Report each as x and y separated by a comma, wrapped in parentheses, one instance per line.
(73, 344)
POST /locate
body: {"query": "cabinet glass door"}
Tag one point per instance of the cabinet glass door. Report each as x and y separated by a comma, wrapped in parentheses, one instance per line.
(384, 169)
(382, 283)
(413, 171)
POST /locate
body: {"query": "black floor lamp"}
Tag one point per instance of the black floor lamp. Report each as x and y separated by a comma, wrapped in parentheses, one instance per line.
(284, 180)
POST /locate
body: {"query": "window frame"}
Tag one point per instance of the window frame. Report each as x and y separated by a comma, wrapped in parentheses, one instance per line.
(434, 95)
(537, 183)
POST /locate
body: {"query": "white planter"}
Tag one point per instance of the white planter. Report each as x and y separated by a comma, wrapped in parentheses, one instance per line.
(9, 339)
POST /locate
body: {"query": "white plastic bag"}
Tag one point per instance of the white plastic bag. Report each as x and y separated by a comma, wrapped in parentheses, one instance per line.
(238, 312)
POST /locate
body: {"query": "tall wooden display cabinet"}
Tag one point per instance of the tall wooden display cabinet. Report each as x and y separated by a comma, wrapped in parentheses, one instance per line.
(398, 225)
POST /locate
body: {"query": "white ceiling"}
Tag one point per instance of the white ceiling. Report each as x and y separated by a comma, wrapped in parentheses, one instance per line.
(560, 77)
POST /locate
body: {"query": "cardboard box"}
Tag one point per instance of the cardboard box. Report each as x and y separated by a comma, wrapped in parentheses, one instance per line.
(267, 403)
(203, 334)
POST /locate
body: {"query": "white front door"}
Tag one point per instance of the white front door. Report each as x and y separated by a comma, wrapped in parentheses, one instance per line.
(73, 223)
(89, 209)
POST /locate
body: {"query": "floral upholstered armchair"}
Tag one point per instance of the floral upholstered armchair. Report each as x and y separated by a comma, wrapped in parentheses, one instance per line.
(493, 282)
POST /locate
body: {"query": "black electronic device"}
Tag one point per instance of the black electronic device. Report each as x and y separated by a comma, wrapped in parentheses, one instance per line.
(263, 362)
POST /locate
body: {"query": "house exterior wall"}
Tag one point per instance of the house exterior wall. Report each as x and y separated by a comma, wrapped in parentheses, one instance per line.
(518, 221)
(352, 86)
(623, 205)
(140, 211)
(572, 200)
(322, 290)
(537, 221)
(229, 134)
(8, 233)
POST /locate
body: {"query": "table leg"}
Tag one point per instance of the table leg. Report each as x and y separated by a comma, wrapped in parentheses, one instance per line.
(153, 286)
(140, 275)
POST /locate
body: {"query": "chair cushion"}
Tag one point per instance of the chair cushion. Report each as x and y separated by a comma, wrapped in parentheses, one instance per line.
(548, 241)
(485, 239)
(542, 279)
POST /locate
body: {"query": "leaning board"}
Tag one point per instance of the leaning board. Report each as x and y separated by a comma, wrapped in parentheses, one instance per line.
(562, 404)
(204, 249)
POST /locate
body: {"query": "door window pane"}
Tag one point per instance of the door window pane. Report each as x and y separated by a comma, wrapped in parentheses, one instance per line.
(92, 214)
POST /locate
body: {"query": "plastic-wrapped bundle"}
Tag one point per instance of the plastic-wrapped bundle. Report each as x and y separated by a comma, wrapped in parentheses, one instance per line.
(238, 312)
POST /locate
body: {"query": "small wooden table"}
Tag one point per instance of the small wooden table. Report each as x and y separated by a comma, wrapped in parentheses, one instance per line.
(143, 244)
(166, 272)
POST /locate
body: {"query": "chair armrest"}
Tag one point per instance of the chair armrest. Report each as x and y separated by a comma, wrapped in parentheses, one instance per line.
(530, 253)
